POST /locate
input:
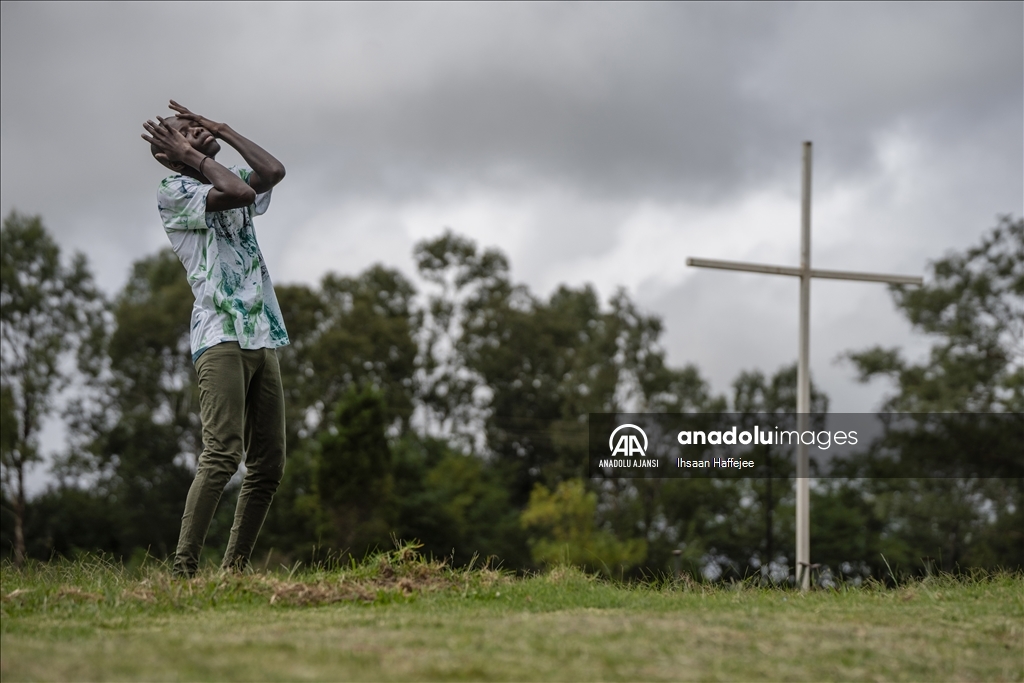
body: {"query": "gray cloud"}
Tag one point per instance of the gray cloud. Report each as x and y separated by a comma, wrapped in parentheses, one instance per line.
(665, 100)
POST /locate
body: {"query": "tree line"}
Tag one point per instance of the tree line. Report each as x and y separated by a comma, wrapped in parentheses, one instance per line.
(456, 414)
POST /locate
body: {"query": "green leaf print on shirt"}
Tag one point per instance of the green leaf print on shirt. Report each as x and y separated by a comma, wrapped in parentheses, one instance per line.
(247, 240)
(226, 313)
(251, 318)
(230, 281)
(277, 331)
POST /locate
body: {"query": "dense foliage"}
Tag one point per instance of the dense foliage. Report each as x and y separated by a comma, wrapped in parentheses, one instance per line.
(456, 415)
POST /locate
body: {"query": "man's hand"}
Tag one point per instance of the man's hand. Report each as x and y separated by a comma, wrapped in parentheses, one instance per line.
(179, 152)
(172, 144)
(266, 170)
(183, 112)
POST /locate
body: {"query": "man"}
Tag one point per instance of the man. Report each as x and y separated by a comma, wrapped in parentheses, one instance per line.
(207, 212)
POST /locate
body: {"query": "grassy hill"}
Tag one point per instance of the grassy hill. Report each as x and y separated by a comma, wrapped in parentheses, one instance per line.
(397, 616)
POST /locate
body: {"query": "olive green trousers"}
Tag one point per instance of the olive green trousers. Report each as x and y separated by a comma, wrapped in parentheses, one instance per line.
(241, 402)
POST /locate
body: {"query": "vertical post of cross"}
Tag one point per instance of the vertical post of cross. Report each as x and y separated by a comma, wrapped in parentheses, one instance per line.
(803, 381)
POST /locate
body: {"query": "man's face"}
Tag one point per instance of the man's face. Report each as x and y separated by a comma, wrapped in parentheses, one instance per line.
(197, 136)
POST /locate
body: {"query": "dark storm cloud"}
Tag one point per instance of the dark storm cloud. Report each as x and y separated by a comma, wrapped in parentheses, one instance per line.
(677, 100)
(680, 100)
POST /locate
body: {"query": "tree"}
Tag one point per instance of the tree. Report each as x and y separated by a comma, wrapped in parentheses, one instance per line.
(525, 371)
(455, 503)
(973, 308)
(142, 434)
(962, 412)
(465, 281)
(349, 334)
(367, 338)
(46, 309)
(565, 531)
(354, 474)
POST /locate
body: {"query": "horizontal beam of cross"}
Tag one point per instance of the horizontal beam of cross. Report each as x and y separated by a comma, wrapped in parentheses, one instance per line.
(797, 272)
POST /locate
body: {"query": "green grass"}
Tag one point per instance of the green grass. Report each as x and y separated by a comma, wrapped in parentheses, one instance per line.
(399, 617)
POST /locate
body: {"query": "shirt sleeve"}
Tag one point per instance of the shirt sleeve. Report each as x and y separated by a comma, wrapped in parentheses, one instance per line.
(182, 203)
(262, 203)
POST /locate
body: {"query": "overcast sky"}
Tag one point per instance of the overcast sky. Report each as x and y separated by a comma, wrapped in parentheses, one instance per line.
(599, 143)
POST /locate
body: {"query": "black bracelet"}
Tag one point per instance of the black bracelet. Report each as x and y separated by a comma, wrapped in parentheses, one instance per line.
(201, 166)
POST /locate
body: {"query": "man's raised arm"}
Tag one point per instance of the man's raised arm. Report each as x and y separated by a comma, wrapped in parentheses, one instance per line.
(177, 152)
(267, 170)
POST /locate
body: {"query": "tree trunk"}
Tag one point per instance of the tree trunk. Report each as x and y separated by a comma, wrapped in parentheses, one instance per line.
(19, 516)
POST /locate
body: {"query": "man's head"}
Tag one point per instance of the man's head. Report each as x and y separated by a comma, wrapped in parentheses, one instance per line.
(197, 136)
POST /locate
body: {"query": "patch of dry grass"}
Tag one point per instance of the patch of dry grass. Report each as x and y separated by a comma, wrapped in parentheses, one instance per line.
(384, 576)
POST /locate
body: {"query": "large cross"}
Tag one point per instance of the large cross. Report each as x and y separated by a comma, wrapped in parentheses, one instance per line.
(803, 377)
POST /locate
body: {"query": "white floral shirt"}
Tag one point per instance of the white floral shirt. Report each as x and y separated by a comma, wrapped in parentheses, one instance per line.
(235, 298)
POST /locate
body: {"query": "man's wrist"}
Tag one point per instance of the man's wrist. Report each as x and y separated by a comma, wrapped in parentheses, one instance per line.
(194, 158)
(224, 132)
